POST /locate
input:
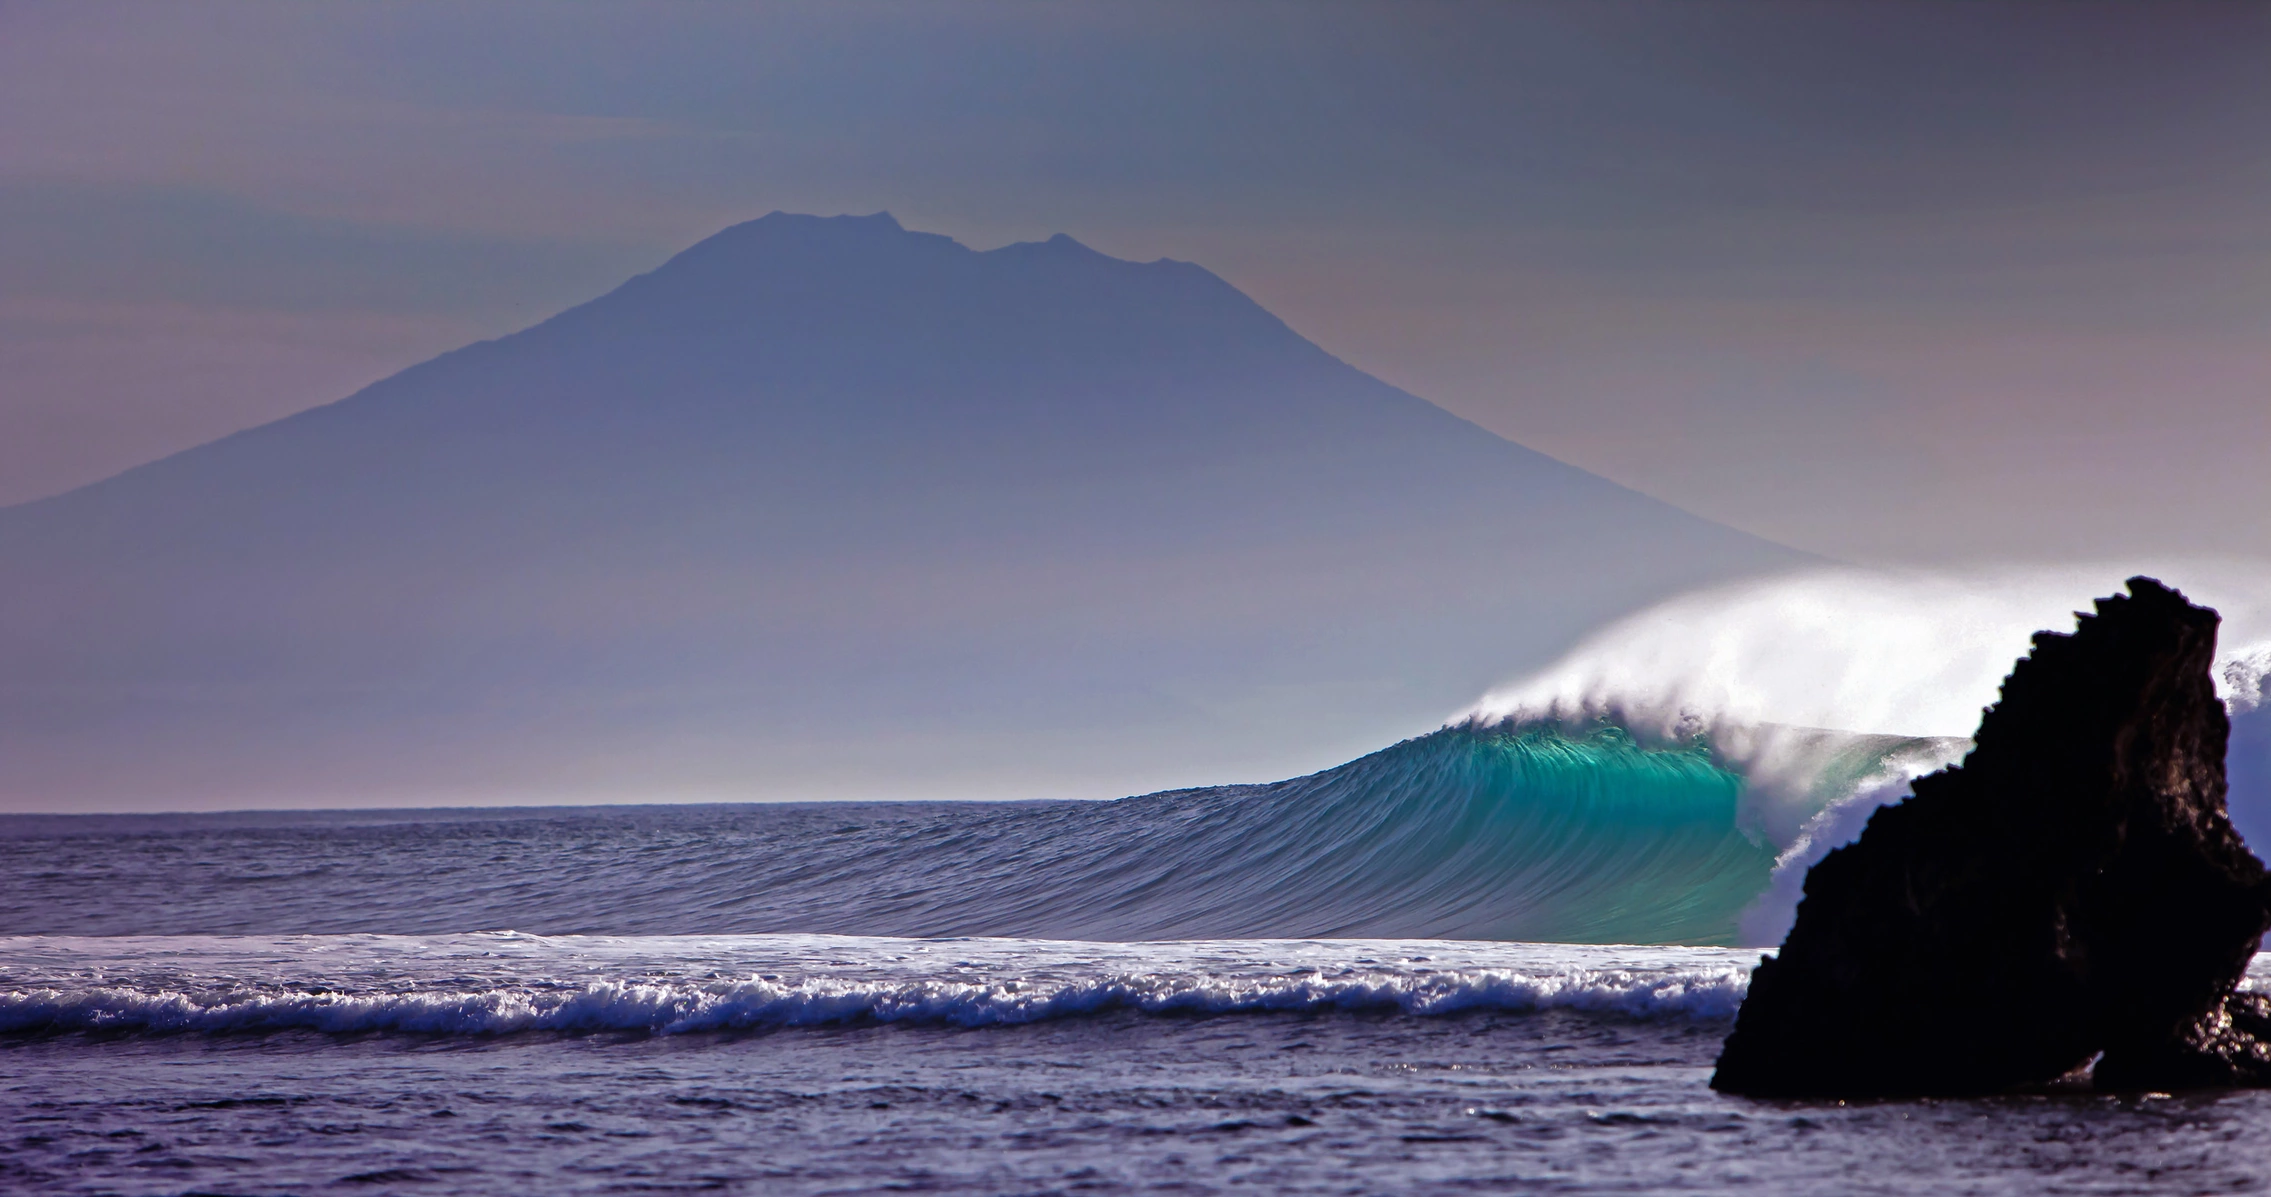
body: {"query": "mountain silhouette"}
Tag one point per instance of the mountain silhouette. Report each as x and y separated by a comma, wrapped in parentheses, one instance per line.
(820, 507)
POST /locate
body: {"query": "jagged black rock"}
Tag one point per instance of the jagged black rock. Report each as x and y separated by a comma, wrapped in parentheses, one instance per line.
(2072, 890)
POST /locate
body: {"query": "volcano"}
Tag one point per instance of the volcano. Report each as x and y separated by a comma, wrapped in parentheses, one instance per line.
(821, 507)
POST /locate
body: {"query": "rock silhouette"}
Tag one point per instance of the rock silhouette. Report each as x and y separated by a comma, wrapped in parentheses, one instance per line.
(2073, 890)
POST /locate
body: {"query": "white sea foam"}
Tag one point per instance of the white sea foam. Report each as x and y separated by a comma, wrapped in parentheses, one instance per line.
(375, 984)
(501, 984)
(677, 1008)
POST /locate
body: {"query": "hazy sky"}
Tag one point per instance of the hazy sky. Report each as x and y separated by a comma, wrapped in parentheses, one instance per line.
(1885, 281)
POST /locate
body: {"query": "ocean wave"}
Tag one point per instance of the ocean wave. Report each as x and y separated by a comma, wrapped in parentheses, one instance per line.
(1509, 832)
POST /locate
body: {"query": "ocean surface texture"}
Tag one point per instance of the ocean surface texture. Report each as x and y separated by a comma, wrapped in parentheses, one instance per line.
(1192, 992)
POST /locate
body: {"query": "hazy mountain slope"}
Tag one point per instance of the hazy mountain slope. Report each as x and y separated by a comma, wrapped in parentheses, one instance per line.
(820, 506)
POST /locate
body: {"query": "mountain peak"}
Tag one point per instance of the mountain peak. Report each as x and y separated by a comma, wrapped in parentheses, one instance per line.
(874, 222)
(777, 232)
(804, 282)
(717, 518)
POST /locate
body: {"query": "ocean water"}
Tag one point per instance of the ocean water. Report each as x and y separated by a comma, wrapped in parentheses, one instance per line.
(504, 1062)
(1330, 985)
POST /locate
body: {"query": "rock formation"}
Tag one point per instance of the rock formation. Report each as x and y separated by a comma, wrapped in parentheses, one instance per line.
(2072, 890)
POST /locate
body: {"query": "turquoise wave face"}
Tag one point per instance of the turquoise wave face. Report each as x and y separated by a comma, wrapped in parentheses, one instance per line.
(1598, 840)
(1530, 833)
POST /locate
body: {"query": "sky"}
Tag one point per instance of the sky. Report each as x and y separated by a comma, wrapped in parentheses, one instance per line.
(1895, 283)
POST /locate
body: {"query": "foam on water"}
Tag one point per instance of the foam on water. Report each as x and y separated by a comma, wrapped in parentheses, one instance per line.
(502, 984)
(497, 984)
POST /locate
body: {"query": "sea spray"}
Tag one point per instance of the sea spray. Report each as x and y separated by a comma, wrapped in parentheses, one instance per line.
(1895, 652)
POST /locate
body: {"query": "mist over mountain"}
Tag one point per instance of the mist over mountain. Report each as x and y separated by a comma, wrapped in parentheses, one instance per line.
(819, 508)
